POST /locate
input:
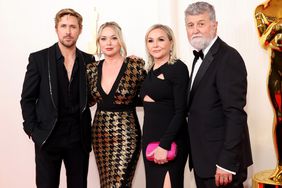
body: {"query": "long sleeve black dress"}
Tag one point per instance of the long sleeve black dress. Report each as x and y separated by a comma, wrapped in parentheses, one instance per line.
(164, 121)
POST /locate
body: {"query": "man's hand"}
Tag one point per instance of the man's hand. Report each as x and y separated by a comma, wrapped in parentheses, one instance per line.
(222, 177)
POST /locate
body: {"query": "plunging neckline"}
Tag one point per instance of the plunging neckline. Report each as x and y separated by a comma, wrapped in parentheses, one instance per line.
(116, 82)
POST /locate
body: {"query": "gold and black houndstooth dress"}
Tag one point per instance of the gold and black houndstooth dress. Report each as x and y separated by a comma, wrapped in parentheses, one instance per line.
(116, 132)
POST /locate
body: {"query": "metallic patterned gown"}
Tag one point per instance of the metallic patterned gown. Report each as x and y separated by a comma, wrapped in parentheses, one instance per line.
(116, 132)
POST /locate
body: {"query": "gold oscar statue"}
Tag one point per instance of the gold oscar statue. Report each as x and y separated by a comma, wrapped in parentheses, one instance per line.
(268, 17)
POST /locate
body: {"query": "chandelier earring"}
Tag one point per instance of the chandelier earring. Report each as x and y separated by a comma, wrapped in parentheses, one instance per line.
(122, 52)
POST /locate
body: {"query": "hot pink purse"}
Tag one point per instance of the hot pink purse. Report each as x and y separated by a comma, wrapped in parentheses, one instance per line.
(171, 154)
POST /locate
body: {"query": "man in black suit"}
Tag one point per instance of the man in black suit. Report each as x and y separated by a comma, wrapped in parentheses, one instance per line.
(54, 106)
(217, 123)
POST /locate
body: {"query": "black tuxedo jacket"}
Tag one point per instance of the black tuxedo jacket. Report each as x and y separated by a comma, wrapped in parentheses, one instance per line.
(39, 98)
(217, 121)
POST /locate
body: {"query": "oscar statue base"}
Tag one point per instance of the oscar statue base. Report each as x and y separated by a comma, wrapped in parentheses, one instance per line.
(261, 180)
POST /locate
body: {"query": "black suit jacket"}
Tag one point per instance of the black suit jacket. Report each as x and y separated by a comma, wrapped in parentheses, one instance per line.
(217, 121)
(39, 98)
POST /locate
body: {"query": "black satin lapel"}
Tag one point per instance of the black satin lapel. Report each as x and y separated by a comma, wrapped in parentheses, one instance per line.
(202, 70)
(82, 81)
(52, 76)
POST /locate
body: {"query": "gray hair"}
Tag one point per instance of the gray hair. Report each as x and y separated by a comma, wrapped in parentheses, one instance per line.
(200, 8)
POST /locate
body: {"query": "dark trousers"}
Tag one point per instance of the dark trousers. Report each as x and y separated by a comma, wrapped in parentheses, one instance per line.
(237, 181)
(48, 165)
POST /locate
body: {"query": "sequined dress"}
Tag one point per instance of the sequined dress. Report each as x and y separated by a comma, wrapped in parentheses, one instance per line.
(116, 132)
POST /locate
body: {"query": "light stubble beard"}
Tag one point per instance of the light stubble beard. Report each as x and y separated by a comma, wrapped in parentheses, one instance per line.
(68, 44)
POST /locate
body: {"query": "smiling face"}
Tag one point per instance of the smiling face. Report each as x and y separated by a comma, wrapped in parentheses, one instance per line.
(158, 45)
(109, 42)
(200, 30)
(68, 30)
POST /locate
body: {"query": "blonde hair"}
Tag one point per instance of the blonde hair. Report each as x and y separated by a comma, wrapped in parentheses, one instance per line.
(117, 30)
(170, 35)
(68, 11)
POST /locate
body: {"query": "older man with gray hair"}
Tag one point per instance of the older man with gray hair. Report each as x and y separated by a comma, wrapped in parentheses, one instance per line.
(217, 123)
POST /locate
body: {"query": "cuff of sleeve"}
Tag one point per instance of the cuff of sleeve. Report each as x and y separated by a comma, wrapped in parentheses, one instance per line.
(234, 173)
(164, 145)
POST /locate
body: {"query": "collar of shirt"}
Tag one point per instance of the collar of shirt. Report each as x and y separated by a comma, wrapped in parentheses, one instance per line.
(59, 54)
(199, 61)
(207, 49)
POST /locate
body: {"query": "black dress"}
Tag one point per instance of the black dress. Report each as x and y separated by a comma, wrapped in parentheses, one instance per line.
(164, 121)
(116, 132)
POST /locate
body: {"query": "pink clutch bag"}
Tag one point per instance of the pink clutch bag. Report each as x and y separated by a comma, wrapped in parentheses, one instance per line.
(171, 154)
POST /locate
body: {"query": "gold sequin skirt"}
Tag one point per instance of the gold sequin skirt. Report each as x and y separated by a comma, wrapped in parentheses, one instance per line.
(116, 144)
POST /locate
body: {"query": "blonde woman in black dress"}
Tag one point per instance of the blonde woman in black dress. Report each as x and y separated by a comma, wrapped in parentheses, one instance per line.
(164, 94)
(114, 85)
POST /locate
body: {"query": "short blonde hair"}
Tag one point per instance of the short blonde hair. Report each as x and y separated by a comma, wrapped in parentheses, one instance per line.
(170, 35)
(68, 11)
(118, 32)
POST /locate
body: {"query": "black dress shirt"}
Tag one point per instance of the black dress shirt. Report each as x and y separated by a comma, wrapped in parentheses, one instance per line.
(66, 130)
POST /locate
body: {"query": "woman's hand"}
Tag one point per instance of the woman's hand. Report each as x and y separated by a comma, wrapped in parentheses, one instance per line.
(160, 155)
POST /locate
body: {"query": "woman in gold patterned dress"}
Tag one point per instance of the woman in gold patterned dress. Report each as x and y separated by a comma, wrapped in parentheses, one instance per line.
(114, 85)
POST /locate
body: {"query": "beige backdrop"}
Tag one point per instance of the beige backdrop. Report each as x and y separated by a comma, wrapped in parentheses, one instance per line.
(28, 26)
